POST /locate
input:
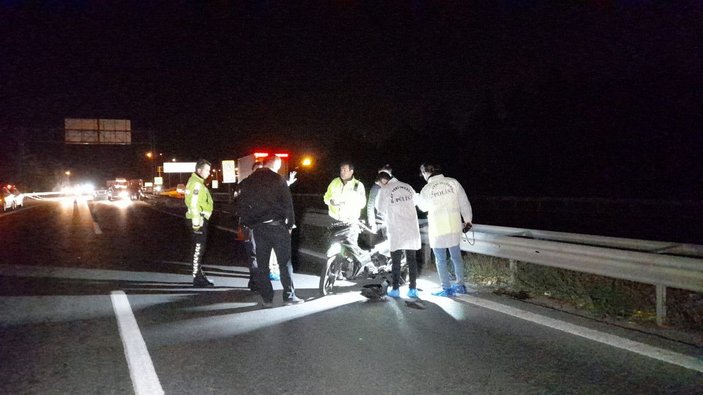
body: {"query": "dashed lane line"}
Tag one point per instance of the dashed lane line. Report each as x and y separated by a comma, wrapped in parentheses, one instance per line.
(141, 369)
(660, 354)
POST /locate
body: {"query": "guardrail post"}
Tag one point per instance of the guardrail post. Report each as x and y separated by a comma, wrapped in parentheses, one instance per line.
(513, 271)
(661, 304)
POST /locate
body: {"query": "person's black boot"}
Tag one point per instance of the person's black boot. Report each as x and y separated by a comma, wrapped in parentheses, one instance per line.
(200, 281)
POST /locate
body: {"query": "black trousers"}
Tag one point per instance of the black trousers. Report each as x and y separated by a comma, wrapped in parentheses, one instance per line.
(396, 258)
(199, 242)
(276, 238)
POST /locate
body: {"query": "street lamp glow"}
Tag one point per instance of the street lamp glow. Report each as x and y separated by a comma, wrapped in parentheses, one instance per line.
(149, 155)
(68, 172)
(306, 162)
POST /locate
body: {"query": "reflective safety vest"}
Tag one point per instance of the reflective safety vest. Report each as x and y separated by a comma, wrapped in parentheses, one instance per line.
(198, 200)
(351, 195)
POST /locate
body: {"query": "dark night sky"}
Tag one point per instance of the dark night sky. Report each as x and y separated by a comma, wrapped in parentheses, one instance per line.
(589, 98)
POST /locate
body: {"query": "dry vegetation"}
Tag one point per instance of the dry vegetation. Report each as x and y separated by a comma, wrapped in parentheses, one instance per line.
(592, 295)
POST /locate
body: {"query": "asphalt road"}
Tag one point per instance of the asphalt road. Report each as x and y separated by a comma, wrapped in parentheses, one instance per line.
(72, 275)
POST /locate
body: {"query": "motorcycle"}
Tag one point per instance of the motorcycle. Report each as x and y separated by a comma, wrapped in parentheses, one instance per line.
(347, 261)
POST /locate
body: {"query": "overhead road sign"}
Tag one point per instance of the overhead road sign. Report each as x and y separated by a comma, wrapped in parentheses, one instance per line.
(98, 131)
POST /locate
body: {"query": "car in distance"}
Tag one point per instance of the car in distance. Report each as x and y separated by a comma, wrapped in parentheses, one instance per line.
(135, 192)
(117, 192)
(11, 197)
(7, 199)
(100, 194)
(18, 197)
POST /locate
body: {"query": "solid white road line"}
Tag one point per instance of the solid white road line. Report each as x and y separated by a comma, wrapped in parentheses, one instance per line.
(661, 354)
(141, 369)
(96, 228)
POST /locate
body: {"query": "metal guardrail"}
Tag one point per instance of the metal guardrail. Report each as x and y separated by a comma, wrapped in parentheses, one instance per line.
(658, 247)
(610, 257)
(662, 264)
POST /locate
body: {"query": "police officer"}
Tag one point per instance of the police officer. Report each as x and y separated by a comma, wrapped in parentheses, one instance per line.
(199, 209)
(345, 198)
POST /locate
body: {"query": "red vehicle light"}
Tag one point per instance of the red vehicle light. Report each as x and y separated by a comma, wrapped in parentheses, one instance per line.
(258, 155)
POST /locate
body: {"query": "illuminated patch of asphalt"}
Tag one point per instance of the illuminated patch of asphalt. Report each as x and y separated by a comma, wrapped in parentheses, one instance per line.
(237, 323)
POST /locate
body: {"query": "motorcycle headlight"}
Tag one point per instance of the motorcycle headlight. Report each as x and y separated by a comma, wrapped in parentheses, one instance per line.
(334, 249)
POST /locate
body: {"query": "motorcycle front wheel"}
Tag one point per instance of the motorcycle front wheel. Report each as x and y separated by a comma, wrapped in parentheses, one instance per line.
(329, 274)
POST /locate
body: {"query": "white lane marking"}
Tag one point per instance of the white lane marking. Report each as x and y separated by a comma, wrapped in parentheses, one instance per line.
(661, 354)
(96, 227)
(141, 369)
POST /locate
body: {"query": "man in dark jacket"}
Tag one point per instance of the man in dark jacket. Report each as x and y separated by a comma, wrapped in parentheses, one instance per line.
(267, 208)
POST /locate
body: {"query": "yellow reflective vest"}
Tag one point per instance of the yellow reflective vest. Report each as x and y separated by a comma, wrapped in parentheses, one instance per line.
(351, 197)
(198, 200)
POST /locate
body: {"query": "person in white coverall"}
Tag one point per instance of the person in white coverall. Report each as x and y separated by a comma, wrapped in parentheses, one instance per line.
(396, 203)
(446, 203)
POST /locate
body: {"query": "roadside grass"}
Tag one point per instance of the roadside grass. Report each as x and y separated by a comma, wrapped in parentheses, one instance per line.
(592, 295)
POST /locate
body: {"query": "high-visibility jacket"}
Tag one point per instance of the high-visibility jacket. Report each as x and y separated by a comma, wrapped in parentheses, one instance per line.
(445, 202)
(198, 200)
(396, 203)
(350, 195)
